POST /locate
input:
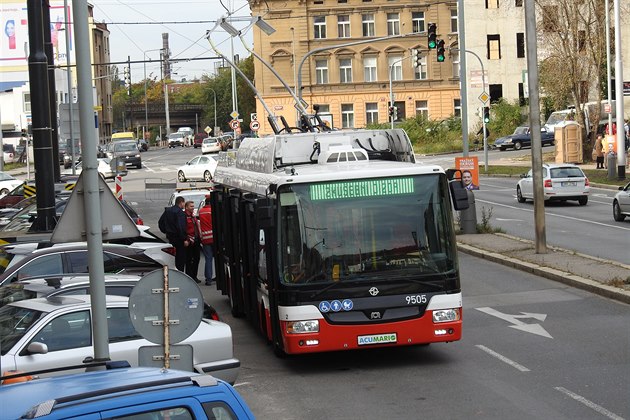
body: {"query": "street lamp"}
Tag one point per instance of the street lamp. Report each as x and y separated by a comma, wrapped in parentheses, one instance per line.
(146, 112)
(215, 112)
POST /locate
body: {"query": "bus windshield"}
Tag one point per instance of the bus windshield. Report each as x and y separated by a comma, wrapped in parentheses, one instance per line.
(366, 229)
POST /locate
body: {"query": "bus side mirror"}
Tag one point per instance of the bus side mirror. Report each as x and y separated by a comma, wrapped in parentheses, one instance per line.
(459, 194)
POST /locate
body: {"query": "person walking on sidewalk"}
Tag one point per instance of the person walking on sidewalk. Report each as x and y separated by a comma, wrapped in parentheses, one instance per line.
(173, 224)
(599, 152)
(207, 239)
(192, 243)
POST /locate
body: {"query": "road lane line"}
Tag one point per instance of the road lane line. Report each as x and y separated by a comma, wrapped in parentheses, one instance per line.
(590, 404)
(502, 358)
(554, 214)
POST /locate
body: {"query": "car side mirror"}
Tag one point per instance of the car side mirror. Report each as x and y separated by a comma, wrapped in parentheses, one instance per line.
(37, 348)
(523, 175)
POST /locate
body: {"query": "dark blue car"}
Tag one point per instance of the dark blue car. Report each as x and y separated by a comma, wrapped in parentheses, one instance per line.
(522, 138)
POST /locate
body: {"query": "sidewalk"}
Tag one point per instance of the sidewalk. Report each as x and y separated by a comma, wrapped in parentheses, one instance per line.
(606, 278)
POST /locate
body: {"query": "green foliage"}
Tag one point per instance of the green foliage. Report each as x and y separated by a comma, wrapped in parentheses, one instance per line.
(505, 117)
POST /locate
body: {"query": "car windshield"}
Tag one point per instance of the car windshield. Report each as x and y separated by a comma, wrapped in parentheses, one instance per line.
(366, 229)
(556, 118)
(14, 293)
(568, 172)
(125, 147)
(5, 177)
(521, 130)
(14, 323)
(175, 136)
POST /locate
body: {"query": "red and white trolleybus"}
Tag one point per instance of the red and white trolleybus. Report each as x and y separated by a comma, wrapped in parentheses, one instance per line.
(338, 240)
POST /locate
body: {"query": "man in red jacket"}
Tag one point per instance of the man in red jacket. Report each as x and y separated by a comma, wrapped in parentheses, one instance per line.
(192, 242)
(207, 239)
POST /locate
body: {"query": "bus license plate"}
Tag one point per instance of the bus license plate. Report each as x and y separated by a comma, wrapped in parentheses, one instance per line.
(364, 340)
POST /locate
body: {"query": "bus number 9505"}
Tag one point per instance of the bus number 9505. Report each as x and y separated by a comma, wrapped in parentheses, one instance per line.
(416, 299)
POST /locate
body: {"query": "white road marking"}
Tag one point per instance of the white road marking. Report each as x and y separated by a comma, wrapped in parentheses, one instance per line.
(590, 404)
(555, 215)
(520, 325)
(502, 358)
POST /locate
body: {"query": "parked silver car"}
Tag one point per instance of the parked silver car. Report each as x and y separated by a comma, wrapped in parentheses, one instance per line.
(54, 332)
(621, 203)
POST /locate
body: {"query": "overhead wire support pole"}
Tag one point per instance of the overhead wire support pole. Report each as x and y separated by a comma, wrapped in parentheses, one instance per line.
(621, 133)
(463, 82)
(391, 89)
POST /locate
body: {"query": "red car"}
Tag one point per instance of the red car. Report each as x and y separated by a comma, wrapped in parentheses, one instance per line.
(199, 139)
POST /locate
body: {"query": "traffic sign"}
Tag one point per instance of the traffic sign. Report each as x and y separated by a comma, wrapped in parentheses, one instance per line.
(234, 124)
(607, 108)
(207, 129)
(254, 126)
(253, 116)
(234, 115)
(484, 97)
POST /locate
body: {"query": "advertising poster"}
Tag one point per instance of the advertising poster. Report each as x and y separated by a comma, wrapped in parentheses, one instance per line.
(14, 47)
(470, 171)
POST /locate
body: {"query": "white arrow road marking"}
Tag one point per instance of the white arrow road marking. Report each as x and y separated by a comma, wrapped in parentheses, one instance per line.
(520, 325)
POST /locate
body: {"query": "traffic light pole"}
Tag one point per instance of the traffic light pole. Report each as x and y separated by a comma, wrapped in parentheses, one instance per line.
(393, 115)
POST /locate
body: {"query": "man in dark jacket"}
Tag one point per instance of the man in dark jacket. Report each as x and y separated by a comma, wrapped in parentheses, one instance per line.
(173, 224)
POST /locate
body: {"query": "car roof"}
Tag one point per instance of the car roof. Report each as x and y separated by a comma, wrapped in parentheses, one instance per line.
(53, 393)
(27, 248)
(56, 282)
(49, 304)
(560, 165)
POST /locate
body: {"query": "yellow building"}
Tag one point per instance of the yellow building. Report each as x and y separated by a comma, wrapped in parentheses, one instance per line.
(351, 83)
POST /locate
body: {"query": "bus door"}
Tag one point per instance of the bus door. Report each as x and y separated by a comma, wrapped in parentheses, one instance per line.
(234, 254)
(221, 228)
(249, 254)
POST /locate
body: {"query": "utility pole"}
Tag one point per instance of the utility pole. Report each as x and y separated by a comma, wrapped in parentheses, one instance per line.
(534, 123)
(621, 132)
(52, 90)
(463, 82)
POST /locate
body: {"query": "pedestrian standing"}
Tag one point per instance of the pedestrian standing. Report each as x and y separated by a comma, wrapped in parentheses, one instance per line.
(193, 241)
(599, 152)
(173, 224)
(207, 239)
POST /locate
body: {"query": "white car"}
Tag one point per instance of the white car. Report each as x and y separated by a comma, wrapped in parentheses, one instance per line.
(45, 333)
(210, 145)
(104, 168)
(561, 182)
(8, 183)
(198, 168)
(621, 203)
(176, 139)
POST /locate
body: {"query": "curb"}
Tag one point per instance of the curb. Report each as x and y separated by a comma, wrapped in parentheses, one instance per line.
(549, 273)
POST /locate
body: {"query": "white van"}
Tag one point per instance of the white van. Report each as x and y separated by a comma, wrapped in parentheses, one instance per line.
(188, 134)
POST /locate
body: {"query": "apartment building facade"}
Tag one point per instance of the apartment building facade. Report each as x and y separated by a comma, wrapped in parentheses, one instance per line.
(349, 76)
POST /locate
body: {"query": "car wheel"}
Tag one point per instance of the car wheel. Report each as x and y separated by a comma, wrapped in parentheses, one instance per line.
(139, 166)
(617, 215)
(4, 191)
(519, 195)
(518, 145)
(181, 177)
(583, 201)
(207, 177)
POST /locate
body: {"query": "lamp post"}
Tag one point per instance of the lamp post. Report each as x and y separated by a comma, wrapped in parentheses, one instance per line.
(146, 105)
(215, 112)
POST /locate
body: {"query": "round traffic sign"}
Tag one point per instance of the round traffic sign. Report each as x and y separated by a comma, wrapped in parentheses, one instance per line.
(254, 125)
(234, 124)
(146, 306)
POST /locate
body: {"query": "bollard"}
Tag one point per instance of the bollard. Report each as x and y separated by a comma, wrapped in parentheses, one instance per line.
(468, 217)
(612, 165)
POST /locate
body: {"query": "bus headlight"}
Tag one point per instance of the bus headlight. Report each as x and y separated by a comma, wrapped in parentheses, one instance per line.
(446, 315)
(303, 327)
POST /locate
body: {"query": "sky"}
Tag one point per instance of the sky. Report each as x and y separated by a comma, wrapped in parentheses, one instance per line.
(136, 26)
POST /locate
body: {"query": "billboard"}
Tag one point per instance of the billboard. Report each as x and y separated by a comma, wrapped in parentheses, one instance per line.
(14, 37)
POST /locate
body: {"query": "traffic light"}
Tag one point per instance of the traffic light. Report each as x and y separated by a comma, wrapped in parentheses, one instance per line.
(416, 57)
(441, 53)
(486, 114)
(432, 35)
(391, 111)
(127, 76)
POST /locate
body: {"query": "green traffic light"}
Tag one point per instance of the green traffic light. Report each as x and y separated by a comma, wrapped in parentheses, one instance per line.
(432, 44)
(440, 58)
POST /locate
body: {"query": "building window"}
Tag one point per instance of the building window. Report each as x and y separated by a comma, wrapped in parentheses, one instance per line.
(347, 116)
(457, 108)
(492, 4)
(422, 108)
(320, 27)
(393, 24)
(27, 102)
(343, 26)
(345, 70)
(518, 3)
(420, 73)
(417, 21)
(369, 69)
(520, 45)
(321, 71)
(371, 113)
(494, 47)
(395, 67)
(368, 24)
(456, 69)
(454, 21)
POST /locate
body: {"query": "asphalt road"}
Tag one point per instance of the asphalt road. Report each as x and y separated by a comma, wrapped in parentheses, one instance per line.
(531, 348)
